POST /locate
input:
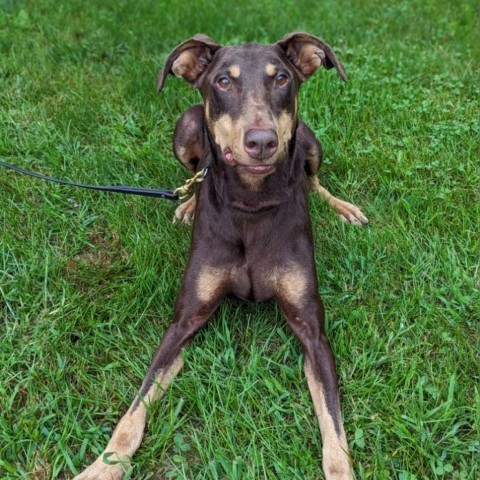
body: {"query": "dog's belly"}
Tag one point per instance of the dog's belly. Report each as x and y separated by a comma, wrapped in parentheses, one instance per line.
(255, 286)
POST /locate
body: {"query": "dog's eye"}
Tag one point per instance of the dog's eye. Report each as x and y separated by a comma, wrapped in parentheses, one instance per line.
(224, 83)
(281, 80)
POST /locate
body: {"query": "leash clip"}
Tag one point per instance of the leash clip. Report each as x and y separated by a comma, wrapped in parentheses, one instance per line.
(185, 189)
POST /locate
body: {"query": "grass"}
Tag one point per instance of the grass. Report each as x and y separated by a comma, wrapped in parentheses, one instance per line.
(88, 280)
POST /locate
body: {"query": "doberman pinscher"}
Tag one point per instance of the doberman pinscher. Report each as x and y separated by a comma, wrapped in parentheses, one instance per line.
(252, 235)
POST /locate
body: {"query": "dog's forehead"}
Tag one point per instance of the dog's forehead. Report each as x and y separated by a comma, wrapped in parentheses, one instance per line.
(249, 57)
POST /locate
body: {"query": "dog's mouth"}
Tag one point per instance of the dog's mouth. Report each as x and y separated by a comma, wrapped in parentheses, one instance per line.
(256, 170)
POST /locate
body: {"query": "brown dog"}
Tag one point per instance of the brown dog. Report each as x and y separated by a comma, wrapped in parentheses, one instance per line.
(252, 234)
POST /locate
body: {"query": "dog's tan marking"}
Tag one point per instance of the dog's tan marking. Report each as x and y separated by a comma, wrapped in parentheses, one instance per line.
(317, 188)
(185, 66)
(209, 280)
(128, 434)
(271, 69)
(252, 182)
(182, 153)
(224, 131)
(308, 59)
(207, 109)
(347, 212)
(336, 460)
(186, 211)
(229, 134)
(234, 71)
(291, 284)
(284, 126)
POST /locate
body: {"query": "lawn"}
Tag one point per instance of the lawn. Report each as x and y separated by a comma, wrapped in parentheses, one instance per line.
(88, 280)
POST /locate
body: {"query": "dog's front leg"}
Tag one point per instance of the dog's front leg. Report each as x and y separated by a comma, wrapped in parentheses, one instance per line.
(304, 311)
(191, 313)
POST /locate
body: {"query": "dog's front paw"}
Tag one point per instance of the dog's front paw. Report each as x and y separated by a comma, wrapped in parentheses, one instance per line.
(185, 212)
(105, 467)
(349, 213)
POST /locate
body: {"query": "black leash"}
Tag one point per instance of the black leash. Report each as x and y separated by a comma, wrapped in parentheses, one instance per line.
(148, 192)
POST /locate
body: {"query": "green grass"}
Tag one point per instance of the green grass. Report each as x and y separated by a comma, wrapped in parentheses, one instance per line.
(88, 280)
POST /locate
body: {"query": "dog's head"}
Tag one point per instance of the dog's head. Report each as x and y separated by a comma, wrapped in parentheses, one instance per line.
(250, 93)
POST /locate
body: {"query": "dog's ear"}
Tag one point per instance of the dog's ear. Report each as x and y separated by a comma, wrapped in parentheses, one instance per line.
(189, 60)
(308, 53)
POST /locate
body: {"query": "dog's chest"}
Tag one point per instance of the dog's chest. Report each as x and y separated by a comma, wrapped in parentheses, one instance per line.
(253, 256)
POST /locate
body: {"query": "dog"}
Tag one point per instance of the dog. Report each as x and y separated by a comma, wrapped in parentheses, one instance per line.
(252, 235)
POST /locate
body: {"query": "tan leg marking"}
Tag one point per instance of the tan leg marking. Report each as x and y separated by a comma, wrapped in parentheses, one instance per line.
(347, 212)
(291, 284)
(186, 211)
(336, 460)
(209, 281)
(128, 434)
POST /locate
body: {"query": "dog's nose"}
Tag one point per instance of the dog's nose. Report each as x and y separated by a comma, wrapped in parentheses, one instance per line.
(260, 144)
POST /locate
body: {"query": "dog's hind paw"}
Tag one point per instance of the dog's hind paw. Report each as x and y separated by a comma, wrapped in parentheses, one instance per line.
(349, 213)
(186, 211)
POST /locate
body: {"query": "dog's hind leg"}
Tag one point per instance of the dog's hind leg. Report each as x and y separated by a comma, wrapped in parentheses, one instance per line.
(191, 313)
(304, 311)
(114, 461)
(347, 212)
(186, 211)
(187, 137)
(188, 149)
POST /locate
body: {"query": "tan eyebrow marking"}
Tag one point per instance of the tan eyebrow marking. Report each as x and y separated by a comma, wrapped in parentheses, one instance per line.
(270, 69)
(234, 71)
